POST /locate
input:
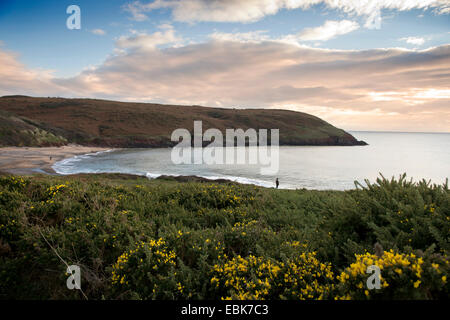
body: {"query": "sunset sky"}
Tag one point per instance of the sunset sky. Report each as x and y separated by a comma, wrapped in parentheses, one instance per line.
(361, 65)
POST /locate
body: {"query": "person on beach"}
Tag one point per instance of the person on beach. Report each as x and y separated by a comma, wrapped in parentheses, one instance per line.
(277, 183)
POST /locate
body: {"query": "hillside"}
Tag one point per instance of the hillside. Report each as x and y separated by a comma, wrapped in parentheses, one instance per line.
(28, 121)
(19, 131)
(136, 238)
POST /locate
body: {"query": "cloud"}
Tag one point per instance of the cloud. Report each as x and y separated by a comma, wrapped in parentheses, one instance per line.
(149, 41)
(391, 89)
(329, 30)
(413, 40)
(136, 9)
(15, 77)
(445, 10)
(98, 32)
(252, 36)
(254, 10)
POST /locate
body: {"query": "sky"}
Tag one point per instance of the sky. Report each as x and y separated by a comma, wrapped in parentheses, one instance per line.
(377, 65)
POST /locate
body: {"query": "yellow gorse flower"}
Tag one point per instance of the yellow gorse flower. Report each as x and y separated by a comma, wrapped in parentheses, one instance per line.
(160, 258)
(256, 277)
(401, 265)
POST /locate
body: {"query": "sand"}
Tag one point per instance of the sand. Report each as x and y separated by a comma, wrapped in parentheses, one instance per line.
(26, 160)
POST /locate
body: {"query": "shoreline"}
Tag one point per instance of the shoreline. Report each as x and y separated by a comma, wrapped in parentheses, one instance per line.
(32, 160)
(35, 160)
(39, 160)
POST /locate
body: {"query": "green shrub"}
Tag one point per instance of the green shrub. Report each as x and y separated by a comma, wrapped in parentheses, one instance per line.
(136, 238)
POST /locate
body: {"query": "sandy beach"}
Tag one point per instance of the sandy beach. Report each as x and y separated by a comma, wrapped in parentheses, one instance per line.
(27, 160)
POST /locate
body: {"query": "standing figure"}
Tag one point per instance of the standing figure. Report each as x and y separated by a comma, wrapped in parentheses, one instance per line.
(277, 183)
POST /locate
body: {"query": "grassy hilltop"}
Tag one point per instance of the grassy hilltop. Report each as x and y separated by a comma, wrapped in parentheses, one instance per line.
(136, 238)
(27, 121)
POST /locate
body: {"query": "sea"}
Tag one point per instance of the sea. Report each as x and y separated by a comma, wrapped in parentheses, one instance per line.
(419, 155)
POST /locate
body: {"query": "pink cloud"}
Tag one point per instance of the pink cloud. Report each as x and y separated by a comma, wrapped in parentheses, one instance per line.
(373, 89)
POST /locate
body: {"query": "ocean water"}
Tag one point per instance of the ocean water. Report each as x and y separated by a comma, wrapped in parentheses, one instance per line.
(419, 155)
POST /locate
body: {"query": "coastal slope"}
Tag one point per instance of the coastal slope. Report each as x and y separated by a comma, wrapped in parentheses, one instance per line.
(30, 121)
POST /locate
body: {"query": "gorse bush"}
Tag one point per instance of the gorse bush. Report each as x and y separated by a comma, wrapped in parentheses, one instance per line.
(146, 271)
(301, 277)
(403, 276)
(136, 238)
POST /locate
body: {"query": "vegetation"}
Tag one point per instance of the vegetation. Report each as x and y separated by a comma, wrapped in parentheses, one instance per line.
(136, 238)
(17, 131)
(118, 124)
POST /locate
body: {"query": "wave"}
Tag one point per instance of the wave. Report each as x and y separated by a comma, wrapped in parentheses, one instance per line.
(71, 166)
(65, 167)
